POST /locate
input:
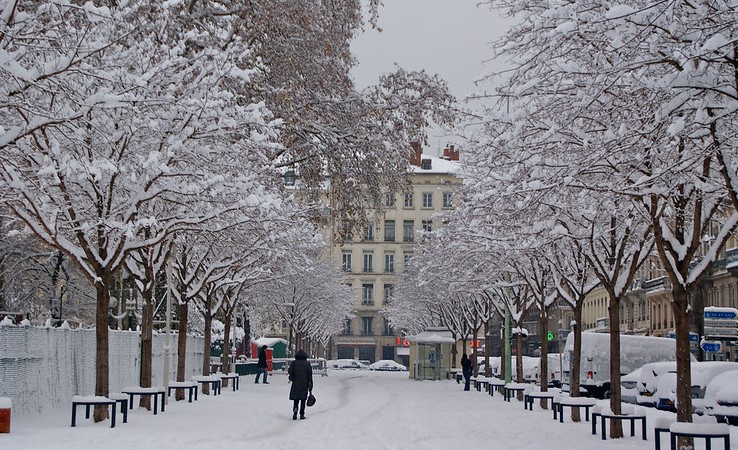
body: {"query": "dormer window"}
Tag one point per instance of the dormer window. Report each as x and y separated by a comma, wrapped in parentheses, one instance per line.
(289, 178)
(425, 164)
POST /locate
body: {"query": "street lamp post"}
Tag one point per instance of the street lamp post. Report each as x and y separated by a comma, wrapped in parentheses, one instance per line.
(289, 322)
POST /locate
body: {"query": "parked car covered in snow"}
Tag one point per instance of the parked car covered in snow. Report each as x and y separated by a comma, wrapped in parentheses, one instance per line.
(721, 397)
(629, 386)
(387, 365)
(703, 372)
(346, 364)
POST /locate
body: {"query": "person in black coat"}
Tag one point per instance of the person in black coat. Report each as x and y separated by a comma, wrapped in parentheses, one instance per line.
(466, 369)
(261, 365)
(300, 374)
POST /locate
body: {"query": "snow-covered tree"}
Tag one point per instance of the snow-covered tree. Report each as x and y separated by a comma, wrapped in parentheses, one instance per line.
(109, 110)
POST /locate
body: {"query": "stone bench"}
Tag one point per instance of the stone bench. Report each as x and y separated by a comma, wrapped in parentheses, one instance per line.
(90, 401)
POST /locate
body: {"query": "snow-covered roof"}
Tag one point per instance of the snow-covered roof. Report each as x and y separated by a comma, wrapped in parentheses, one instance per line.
(269, 342)
(438, 165)
(432, 337)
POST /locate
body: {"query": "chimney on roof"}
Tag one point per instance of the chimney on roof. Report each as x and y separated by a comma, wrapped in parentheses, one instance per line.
(450, 153)
(416, 153)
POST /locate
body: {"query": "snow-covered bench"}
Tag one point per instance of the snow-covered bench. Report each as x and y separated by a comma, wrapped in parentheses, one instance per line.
(212, 380)
(155, 392)
(530, 397)
(662, 424)
(513, 388)
(233, 377)
(708, 431)
(494, 383)
(88, 402)
(456, 373)
(481, 382)
(189, 386)
(561, 401)
(123, 400)
(627, 413)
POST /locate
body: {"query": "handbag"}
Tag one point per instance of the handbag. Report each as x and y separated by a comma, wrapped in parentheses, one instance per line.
(311, 399)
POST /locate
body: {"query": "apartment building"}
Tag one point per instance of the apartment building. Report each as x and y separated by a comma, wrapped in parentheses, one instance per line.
(374, 263)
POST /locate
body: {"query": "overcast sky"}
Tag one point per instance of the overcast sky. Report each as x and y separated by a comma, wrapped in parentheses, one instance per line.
(447, 37)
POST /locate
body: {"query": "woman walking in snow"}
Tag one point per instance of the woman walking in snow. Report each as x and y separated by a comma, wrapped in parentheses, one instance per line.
(301, 375)
(466, 369)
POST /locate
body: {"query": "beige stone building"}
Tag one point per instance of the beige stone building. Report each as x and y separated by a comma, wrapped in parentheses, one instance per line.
(374, 263)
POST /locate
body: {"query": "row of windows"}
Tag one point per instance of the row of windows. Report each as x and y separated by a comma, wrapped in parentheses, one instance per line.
(367, 327)
(408, 230)
(368, 260)
(426, 200)
(367, 294)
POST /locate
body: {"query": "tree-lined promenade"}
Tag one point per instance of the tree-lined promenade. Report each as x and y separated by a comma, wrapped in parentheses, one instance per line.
(139, 135)
(609, 154)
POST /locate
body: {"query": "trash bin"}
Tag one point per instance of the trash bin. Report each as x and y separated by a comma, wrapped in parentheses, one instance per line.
(5, 406)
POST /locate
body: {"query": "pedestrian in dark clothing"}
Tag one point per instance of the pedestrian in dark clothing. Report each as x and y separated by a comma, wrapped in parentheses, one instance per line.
(466, 369)
(301, 375)
(261, 365)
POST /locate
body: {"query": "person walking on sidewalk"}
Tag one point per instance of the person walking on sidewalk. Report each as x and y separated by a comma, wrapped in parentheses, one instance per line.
(301, 375)
(466, 369)
(261, 365)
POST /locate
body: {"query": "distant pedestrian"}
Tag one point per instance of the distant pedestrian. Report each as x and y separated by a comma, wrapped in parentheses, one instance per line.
(301, 375)
(466, 369)
(261, 365)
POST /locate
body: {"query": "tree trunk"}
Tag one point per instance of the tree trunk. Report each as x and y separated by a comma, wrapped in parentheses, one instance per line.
(182, 310)
(473, 349)
(543, 364)
(503, 357)
(520, 376)
(616, 426)
(225, 360)
(206, 346)
(574, 373)
(147, 324)
(487, 347)
(102, 376)
(684, 371)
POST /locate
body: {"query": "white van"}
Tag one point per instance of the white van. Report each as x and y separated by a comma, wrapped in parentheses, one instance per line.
(594, 372)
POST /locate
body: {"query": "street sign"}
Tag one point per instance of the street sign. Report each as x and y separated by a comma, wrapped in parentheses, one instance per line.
(720, 313)
(727, 332)
(711, 346)
(720, 322)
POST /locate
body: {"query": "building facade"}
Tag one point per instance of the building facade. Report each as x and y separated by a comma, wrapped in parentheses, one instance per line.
(374, 263)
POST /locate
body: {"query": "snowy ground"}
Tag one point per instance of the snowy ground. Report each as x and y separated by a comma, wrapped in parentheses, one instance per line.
(355, 410)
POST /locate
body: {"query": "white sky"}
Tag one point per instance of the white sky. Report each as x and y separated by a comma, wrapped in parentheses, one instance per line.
(354, 410)
(447, 37)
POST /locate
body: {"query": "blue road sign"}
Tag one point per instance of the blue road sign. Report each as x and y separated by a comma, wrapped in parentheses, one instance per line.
(720, 315)
(710, 346)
